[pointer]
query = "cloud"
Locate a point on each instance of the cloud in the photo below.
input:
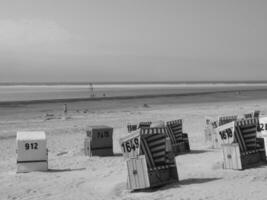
(15, 33)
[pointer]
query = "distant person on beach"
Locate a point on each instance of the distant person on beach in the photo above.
(91, 89)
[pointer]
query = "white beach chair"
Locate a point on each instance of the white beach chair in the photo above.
(32, 153)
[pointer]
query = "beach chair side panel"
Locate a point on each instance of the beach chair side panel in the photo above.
(137, 173)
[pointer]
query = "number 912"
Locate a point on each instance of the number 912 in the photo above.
(29, 146)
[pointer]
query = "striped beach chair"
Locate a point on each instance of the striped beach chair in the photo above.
(254, 114)
(226, 119)
(179, 140)
(153, 165)
(144, 125)
(134, 127)
(241, 147)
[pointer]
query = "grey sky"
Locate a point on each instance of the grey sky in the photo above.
(133, 40)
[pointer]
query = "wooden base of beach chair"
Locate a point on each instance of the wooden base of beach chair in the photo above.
(140, 177)
(233, 159)
(23, 167)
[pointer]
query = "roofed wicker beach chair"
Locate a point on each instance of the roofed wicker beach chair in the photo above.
(134, 127)
(226, 119)
(131, 127)
(144, 124)
(241, 147)
(254, 114)
(150, 162)
(179, 140)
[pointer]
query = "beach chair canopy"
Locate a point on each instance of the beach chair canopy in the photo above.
(175, 130)
(153, 146)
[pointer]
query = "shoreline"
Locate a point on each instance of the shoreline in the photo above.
(128, 97)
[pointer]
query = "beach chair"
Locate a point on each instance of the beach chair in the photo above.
(262, 130)
(99, 141)
(144, 125)
(131, 127)
(241, 147)
(179, 140)
(150, 161)
(32, 152)
(211, 136)
(134, 127)
(254, 114)
(226, 119)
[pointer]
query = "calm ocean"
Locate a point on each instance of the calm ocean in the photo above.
(33, 92)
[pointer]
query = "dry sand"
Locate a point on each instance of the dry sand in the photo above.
(74, 176)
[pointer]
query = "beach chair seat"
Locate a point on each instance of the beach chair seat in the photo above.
(152, 164)
(179, 140)
(241, 147)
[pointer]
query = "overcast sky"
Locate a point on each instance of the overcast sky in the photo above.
(133, 40)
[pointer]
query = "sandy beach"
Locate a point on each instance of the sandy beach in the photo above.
(72, 175)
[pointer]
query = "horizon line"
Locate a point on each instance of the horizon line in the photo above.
(124, 82)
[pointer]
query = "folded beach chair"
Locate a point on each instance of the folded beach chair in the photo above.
(241, 147)
(179, 140)
(149, 163)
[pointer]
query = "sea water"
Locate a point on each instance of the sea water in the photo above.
(37, 92)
